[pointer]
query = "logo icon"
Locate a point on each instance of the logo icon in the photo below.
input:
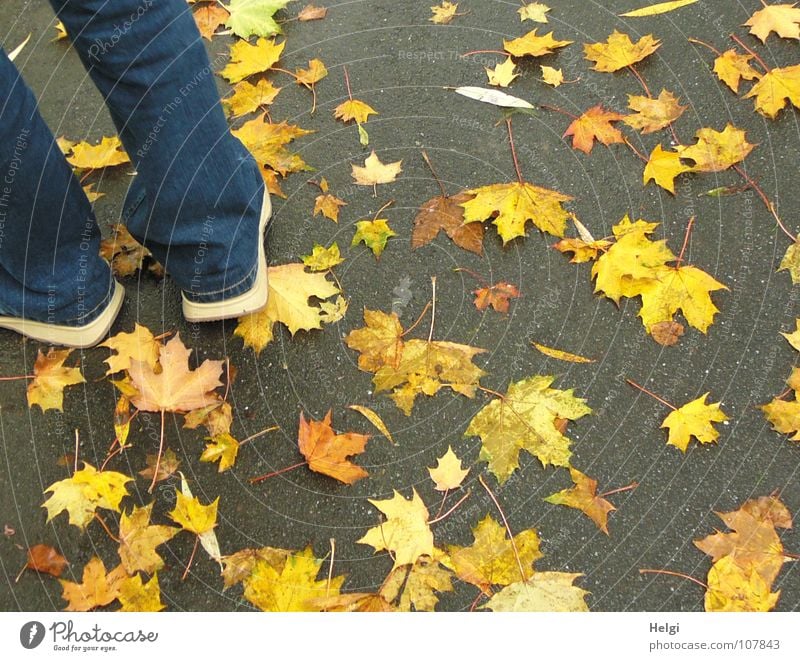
(31, 635)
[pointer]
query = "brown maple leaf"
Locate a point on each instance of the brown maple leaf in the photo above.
(444, 212)
(327, 451)
(45, 559)
(499, 296)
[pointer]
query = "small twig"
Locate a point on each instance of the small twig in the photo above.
(752, 52)
(114, 538)
(451, 510)
(653, 395)
(419, 319)
(433, 172)
(433, 307)
(508, 528)
(514, 151)
(631, 486)
(674, 573)
(191, 558)
(641, 80)
(685, 240)
(259, 434)
(635, 151)
(261, 478)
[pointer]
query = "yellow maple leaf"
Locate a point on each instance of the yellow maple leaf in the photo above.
(139, 345)
(444, 12)
(81, 494)
(217, 418)
(374, 172)
(247, 59)
(514, 204)
(717, 150)
(784, 416)
(631, 265)
(693, 419)
(551, 76)
(138, 540)
(662, 167)
(653, 114)
(374, 234)
(290, 588)
(618, 51)
(415, 586)
(533, 11)
(783, 20)
(583, 496)
(268, 144)
(191, 515)
(353, 109)
(308, 77)
(493, 558)
(223, 448)
(174, 387)
(50, 378)
(733, 588)
(136, 596)
(684, 288)
(525, 419)
(793, 338)
(774, 88)
(290, 287)
(544, 592)
(533, 45)
(322, 259)
(502, 74)
(379, 342)
(732, 66)
(791, 262)
(107, 153)
(238, 566)
(448, 473)
(247, 98)
(405, 533)
(328, 204)
(99, 588)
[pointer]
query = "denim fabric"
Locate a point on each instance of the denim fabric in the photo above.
(195, 200)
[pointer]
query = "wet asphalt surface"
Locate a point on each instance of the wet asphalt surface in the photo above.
(399, 63)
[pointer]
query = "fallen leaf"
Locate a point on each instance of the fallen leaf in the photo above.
(138, 540)
(267, 142)
(583, 496)
(351, 602)
(167, 467)
(503, 73)
(448, 473)
(328, 204)
(217, 417)
(717, 150)
(444, 212)
(667, 333)
(354, 110)
(558, 354)
(533, 45)
(732, 66)
(514, 204)
(618, 51)
(791, 262)
(374, 172)
(99, 588)
(544, 592)
(222, 448)
(374, 418)
(525, 419)
(247, 98)
(693, 419)
(594, 124)
(783, 20)
(139, 345)
(290, 287)
(46, 559)
(493, 558)
(444, 12)
(774, 88)
(81, 494)
(254, 17)
(662, 167)
(312, 13)
(209, 18)
(247, 59)
(658, 8)
(46, 389)
(732, 588)
(534, 11)
(309, 77)
(136, 596)
(653, 114)
(323, 259)
(379, 342)
(494, 97)
(238, 566)
(108, 153)
(126, 255)
(405, 534)
(191, 515)
(373, 233)
(551, 76)
(498, 295)
(415, 586)
(327, 451)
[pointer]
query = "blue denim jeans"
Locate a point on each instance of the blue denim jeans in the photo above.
(195, 200)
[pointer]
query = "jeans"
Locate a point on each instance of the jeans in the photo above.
(195, 199)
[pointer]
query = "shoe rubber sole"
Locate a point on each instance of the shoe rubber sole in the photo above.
(253, 300)
(80, 337)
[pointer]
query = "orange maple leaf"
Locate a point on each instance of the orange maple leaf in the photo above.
(594, 124)
(327, 451)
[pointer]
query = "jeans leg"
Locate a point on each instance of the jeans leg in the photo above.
(50, 269)
(198, 192)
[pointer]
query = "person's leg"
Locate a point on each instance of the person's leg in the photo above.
(50, 270)
(197, 199)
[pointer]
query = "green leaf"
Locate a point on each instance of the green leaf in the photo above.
(249, 17)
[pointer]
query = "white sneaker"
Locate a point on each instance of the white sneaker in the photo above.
(70, 336)
(253, 300)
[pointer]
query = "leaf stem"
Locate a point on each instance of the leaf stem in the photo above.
(476, 52)
(261, 478)
(377, 213)
(558, 110)
(419, 319)
(451, 510)
(703, 43)
(253, 437)
(433, 172)
(477, 276)
(770, 206)
(652, 394)
(347, 83)
(191, 558)
(685, 239)
(508, 528)
(641, 80)
(433, 307)
(752, 52)
(77, 444)
(513, 151)
(105, 527)
(630, 487)
(17, 378)
(444, 498)
(330, 567)
(674, 573)
(634, 150)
